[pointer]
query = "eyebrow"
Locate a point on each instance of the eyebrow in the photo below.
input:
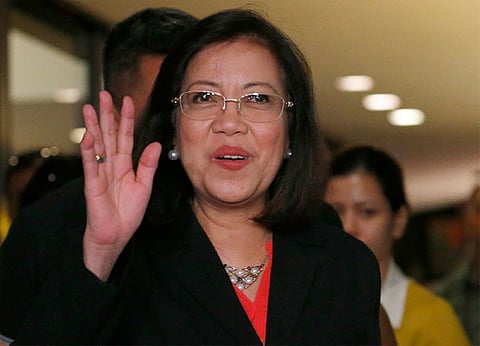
(255, 84)
(202, 82)
(216, 85)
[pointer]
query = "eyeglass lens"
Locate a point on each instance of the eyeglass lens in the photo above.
(258, 107)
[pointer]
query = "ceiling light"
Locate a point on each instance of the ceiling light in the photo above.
(381, 102)
(406, 117)
(67, 95)
(354, 83)
(76, 135)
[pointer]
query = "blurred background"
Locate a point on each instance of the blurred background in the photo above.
(424, 54)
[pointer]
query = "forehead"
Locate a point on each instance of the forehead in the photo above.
(243, 60)
(355, 185)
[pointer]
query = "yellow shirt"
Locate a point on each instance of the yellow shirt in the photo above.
(429, 320)
(418, 316)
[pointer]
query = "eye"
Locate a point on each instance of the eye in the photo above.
(257, 98)
(202, 97)
(368, 212)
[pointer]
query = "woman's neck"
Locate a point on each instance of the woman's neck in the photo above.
(238, 240)
(384, 265)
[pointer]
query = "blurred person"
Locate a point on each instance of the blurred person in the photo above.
(461, 287)
(366, 189)
(222, 244)
(135, 49)
(132, 56)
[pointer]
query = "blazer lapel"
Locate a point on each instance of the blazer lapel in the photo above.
(196, 264)
(291, 278)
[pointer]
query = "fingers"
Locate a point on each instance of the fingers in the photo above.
(91, 142)
(126, 127)
(148, 163)
(105, 136)
(108, 125)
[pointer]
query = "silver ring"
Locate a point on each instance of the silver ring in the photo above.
(100, 158)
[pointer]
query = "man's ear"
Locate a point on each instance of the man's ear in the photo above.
(400, 222)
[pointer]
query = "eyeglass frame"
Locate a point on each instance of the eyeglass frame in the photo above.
(285, 104)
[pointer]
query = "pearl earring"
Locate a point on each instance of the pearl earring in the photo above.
(288, 154)
(173, 154)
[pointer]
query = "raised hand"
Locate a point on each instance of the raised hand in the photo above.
(116, 195)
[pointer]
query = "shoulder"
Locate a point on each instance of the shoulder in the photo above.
(331, 238)
(329, 243)
(418, 292)
(68, 197)
(433, 317)
(423, 302)
(49, 223)
(422, 298)
(67, 203)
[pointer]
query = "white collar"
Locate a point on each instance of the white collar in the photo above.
(394, 294)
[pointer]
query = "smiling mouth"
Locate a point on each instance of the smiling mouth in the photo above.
(231, 157)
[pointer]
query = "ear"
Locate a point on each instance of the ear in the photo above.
(400, 222)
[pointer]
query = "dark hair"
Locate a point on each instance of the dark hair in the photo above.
(148, 32)
(377, 163)
(296, 193)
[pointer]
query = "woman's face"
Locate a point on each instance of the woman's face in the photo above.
(365, 211)
(232, 161)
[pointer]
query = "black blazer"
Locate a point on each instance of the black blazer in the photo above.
(169, 287)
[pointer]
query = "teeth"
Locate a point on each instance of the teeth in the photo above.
(232, 157)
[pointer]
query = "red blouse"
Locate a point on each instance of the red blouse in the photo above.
(257, 310)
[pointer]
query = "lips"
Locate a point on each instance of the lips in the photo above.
(232, 158)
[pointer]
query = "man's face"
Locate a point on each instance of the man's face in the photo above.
(138, 83)
(149, 66)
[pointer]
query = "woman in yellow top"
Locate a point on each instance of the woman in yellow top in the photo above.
(366, 189)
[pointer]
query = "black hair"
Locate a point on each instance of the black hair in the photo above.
(296, 193)
(148, 32)
(377, 163)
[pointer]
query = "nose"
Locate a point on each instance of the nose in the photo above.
(230, 120)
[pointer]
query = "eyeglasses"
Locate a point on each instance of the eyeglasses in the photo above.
(255, 107)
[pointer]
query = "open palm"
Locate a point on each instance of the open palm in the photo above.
(116, 194)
